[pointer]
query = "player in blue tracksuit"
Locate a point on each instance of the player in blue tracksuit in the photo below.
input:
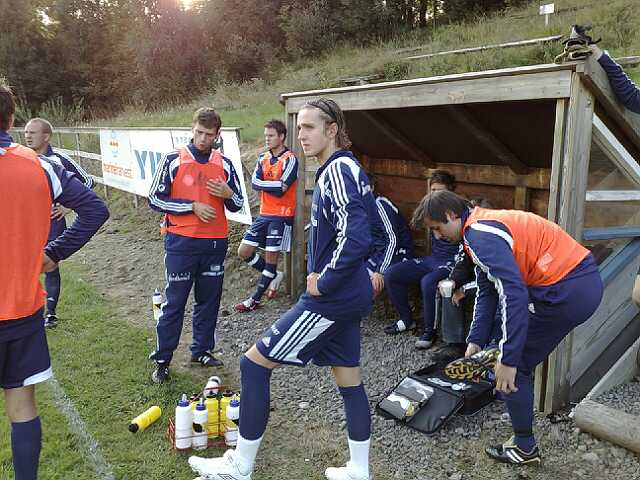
(424, 271)
(193, 186)
(625, 90)
(324, 326)
(395, 244)
(37, 134)
(32, 184)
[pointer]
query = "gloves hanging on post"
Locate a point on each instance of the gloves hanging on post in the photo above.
(576, 46)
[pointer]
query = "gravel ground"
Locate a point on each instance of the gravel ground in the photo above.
(625, 397)
(124, 262)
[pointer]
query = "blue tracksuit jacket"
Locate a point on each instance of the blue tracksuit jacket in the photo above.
(627, 92)
(340, 238)
(396, 237)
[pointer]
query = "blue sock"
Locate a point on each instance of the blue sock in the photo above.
(356, 409)
(255, 400)
(256, 261)
(26, 440)
(520, 406)
(52, 287)
(268, 274)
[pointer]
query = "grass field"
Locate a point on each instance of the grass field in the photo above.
(100, 363)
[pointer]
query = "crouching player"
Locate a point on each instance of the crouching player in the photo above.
(324, 326)
(545, 285)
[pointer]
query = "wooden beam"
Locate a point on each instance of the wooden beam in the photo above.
(570, 214)
(537, 178)
(480, 132)
(297, 264)
(615, 151)
(590, 234)
(521, 199)
(519, 43)
(543, 400)
(457, 89)
(597, 82)
(624, 370)
(609, 424)
(399, 138)
(613, 195)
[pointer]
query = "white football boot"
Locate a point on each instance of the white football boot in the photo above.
(221, 468)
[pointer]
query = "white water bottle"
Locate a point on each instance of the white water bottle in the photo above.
(231, 427)
(184, 421)
(156, 300)
(200, 432)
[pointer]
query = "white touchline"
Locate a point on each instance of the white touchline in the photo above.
(79, 428)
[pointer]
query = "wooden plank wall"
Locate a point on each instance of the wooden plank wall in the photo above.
(405, 182)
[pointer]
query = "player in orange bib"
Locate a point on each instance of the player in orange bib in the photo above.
(29, 186)
(276, 178)
(192, 187)
(544, 283)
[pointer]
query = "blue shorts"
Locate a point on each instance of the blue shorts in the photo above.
(273, 234)
(25, 360)
(301, 335)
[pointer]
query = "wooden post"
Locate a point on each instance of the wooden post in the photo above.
(609, 424)
(297, 269)
(552, 214)
(570, 215)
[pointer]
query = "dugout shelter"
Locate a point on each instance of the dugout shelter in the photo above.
(551, 139)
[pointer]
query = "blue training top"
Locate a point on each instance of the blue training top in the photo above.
(340, 238)
(625, 90)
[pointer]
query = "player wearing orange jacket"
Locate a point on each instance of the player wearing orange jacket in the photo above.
(544, 284)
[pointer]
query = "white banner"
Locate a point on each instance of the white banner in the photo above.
(130, 159)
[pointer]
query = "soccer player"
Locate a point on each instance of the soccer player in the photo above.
(543, 282)
(276, 178)
(425, 271)
(395, 246)
(193, 186)
(37, 135)
(28, 187)
(324, 326)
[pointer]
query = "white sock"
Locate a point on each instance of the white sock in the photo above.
(359, 452)
(246, 452)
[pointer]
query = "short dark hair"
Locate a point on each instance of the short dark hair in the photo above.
(278, 126)
(330, 112)
(435, 206)
(445, 178)
(7, 105)
(207, 117)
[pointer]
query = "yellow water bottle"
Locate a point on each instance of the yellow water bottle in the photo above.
(227, 395)
(213, 406)
(142, 421)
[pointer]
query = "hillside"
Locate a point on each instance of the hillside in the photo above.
(248, 105)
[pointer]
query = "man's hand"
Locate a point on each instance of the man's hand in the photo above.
(48, 265)
(377, 282)
(58, 212)
(457, 296)
(312, 284)
(506, 378)
(219, 188)
(204, 212)
(472, 349)
(596, 50)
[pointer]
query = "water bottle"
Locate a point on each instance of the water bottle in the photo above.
(184, 421)
(156, 300)
(200, 421)
(213, 406)
(213, 385)
(231, 427)
(146, 418)
(224, 402)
